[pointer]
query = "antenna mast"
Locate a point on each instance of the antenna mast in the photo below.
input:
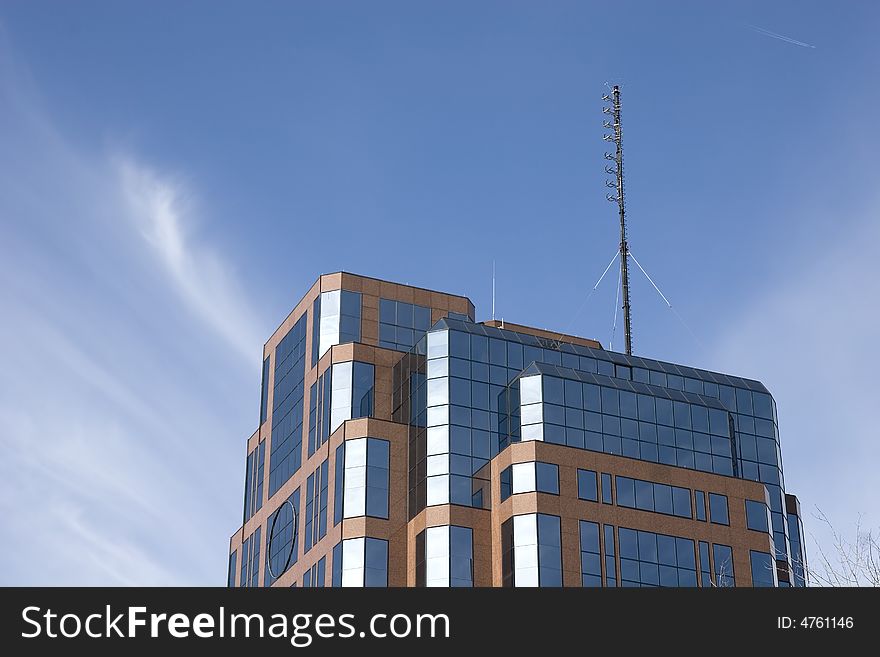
(617, 171)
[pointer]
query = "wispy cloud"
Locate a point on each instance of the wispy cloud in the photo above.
(781, 37)
(124, 330)
(163, 209)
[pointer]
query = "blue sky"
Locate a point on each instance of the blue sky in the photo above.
(173, 176)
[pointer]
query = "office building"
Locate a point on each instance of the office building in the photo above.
(402, 443)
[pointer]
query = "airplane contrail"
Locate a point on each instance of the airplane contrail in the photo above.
(781, 37)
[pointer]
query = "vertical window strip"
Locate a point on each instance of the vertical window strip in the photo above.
(287, 406)
(314, 436)
(310, 511)
(591, 563)
(322, 501)
(233, 565)
(610, 561)
(261, 462)
(243, 578)
(316, 330)
(705, 566)
(248, 479)
(336, 579)
(255, 557)
(339, 485)
(264, 392)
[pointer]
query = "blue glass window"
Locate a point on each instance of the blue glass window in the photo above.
(587, 485)
(763, 569)
(610, 563)
(506, 483)
(722, 555)
(529, 477)
(253, 483)
(606, 488)
(531, 550)
(287, 406)
(402, 324)
(360, 562)
(352, 393)
(700, 505)
(591, 560)
(651, 496)
(547, 478)
(316, 506)
(799, 565)
(230, 575)
(250, 560)
(336, 578)
(718, 509)
(314, 576)
(757, 517)
(282, 545)
(340, 320)
(363, 486)
(649, 559)
(264, 392)
(444, 556)
(705, 572)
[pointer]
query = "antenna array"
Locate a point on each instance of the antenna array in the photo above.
(616, 170)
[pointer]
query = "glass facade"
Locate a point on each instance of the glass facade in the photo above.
(580, 410)
(337, 317)
(445, 556)
(351, 392)
(469, 390)
(798, 559)
(362, 479)
(466, 392)
(650, 496)
(649, 559)
(531, 550)
(316, 506)
(253, 480)
(529, 477)
(287, 406)
(402, 324)
(319, 412)
(361, 562)
(249, 575)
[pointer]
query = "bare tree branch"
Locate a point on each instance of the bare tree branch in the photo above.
(854, 562)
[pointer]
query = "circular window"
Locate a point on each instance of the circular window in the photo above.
(282, 535)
